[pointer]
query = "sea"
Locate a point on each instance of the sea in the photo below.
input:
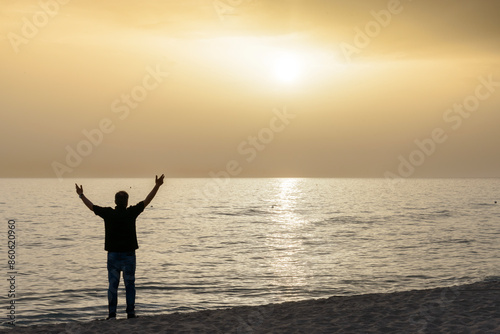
(218, 243)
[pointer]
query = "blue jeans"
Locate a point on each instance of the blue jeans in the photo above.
(118, 262)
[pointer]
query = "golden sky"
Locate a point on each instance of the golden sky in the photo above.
(251, 88)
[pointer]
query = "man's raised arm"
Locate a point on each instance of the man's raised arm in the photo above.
(151, 195)
(86, 201)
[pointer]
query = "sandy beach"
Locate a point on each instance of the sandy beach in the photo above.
(473, 308)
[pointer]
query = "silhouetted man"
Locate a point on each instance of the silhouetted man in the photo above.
(121, 242)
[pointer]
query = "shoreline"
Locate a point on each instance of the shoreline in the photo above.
(471, 308)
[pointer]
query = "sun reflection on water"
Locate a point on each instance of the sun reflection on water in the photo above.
(287, 237)
(287, 198)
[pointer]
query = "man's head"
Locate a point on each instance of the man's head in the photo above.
(121, 199)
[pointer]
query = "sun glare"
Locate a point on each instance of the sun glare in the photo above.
(287, 68)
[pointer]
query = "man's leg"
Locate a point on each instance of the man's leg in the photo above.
(114, 281)
(129, 278)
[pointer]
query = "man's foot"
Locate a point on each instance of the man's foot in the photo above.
(132, 316)
(111, 317)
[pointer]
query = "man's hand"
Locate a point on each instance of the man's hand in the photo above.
(79, 191)
(86, 201)
(159, 180)
(151, 195)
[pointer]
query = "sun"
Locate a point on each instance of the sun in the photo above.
(287, 68)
